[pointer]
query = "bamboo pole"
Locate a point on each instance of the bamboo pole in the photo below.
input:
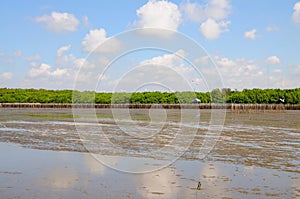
(238, 108)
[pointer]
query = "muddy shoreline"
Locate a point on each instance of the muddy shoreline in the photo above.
(269, 139)
(257, 155)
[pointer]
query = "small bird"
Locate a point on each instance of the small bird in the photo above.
(199, 185)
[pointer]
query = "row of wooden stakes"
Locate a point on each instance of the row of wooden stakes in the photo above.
(232, 107)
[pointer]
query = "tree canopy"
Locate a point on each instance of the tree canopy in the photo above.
(246, 96)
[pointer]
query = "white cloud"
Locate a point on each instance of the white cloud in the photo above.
(205, 60)
(169, 72)
(272, 28)
(225, 62)
(193, 11)
(173, 61)
(93, 39)
(59, 22)
(167, 59)
(59, 72)
(242, 73)
(63, 73)
(85, 21)
(6, 76)
(211, 15)
(296, 14)
(33, 58)
(215, 9)
(62, 59)
(251, 34)
(97, 37)
(218, 9)
(297, 70)
(277, 70)
(83, 64)
(42, 70)
(274, 60)
(212, 29)
(18, 53)
(33, 64)
(159, 14)
(45, 70)
(65, 70)
(62, 49)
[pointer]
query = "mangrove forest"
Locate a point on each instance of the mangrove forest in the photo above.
(226, 95)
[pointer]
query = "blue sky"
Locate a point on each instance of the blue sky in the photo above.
(253, 43)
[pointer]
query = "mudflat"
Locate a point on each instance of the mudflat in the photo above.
(45, 154)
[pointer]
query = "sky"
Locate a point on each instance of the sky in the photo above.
(63, 44)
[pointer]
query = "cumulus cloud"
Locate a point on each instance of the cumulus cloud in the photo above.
(242, 73)
(215, 9)
(159, 14)
(218, 9)
(97, 37)
(211, 15)
(296, 14)
(62, 58)
(6, 76)
(93, 39)
(226, 62)
(167, 59)
(62, 49)
(174, 61)
(81, 63)
(212, 29)
(59, 22)
(63, 72)
(169, 72)
(45, 70)
(251, 34)
(193, 11)
(274, 60)
(42, 70)
(59, 72)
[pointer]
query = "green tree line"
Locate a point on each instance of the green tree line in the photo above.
(246, 96)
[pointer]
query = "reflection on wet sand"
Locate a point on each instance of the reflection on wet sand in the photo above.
(256, 157)
(160, 184)
(209, 174)
(59, 178)
(296, 186)
(52, 174)
(95, 166)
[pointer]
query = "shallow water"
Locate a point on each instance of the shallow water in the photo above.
(256, 156)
